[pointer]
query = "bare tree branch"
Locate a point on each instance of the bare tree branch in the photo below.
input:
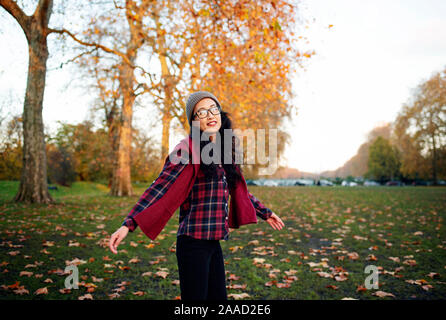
(43, 13)
(87, 44)
(18, 14)
(103, 48)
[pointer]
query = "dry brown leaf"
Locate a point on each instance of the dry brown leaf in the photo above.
(96, 279)
(383, 294)
(133, 244)
(340, 277)
(371, 257)
(75, 262)
(394, 259)
(433, 274)
(21, 290)
(410, 262)
(282, 285)
(236, 286)
(65, 290)
(43, 290)
(324, 274)
(162, 274)
(238, 296)
(270, 283)
(353, 256)
(290, 272)
(233, 277)
(360, 288)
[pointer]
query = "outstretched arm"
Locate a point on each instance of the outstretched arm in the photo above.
(157, 189)
(266, 214)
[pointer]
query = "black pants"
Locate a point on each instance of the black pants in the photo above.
(201, 269)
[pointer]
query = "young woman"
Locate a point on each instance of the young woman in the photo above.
(202, 193)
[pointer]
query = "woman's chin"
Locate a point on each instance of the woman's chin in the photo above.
(211, 130)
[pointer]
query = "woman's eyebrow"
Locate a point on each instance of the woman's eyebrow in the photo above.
(212, 105)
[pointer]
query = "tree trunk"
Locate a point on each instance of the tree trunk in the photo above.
(167, 119)
(168, 83)
(113, 137)
(434, 161)
(33, 183)
(121, 184)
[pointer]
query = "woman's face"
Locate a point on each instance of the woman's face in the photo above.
(211, 123)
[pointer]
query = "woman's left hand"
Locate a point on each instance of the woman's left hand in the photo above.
(275, 222)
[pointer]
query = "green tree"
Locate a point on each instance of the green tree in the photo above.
(384, 160)
(11, 150)
(60, 165)
(422, 128)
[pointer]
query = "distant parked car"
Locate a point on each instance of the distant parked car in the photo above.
(394, 183)
(346, 183)
(369, 183)
(324, 182)
(270, 183)
(286, 182)
(304, 182)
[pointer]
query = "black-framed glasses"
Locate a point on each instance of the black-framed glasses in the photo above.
(203, 113)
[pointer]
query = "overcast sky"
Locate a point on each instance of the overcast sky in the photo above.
(364, 69)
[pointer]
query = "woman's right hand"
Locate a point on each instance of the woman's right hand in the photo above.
(117, 237)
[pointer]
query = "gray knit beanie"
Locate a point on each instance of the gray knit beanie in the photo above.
(194, 98)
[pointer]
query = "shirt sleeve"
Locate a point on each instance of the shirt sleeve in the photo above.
(261, 211)
(171, 170)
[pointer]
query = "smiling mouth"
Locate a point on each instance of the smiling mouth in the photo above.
(211, 123)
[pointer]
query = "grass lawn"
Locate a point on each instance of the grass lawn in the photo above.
(331, 234)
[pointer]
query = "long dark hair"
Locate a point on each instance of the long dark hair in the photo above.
(210, 170)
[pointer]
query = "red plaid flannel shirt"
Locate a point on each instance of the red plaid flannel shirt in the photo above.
(204, 213)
